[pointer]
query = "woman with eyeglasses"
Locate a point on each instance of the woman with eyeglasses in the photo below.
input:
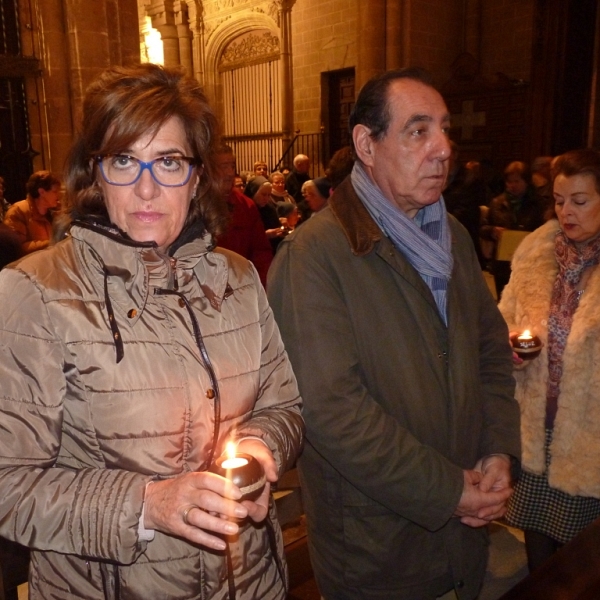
(130, 353)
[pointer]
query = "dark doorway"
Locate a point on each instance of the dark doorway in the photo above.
(16, 157)
(16, 154)
(562, 74)
(338, 89)
(573, 102)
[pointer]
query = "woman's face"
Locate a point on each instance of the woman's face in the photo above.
(314, 200)
(577, 205)
(145, 210)
(278, 183)
(515, 184)
(263, 195)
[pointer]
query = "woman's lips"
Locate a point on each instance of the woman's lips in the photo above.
(148, 217)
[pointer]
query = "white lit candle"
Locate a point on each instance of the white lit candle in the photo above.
(241, 469)
(526, 335)
(234, 463)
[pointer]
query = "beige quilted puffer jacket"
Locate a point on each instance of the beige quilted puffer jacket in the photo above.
(103, 388)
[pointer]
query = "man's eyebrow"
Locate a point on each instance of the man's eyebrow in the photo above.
(419, 118)
(416, 118)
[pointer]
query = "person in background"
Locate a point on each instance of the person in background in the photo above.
(553, 291)
(238, 183)
(316, 194)
(10, 246)
(259, 189)
(4, 204)
(130, 353)
(340, 166)
(542, 181)
(244, 233)
(298, 176)
(278, 191)
(288, 215)
(464, 196)
(403, 362)
(31, 219)
(261, 168)
(517, 208)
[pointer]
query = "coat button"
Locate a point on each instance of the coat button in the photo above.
(132, 313)
(210, 393)
(182, 302)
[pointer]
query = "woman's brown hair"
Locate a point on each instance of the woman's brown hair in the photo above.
(124, 104)
(585, 161)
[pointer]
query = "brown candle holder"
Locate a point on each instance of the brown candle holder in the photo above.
(249, 477)
(526, 348)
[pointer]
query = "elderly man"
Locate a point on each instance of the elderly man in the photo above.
(297, 177)
(404, 364)
(245, 233)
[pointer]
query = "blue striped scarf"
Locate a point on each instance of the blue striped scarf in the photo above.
(424, 241)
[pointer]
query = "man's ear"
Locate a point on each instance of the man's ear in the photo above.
(363, 144)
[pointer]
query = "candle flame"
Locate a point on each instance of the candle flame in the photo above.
(526, 335)
(231, 449)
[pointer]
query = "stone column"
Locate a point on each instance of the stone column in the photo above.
(371, 36)
(196, 25)
(185, 36)
(393, 34)
(162, 14)
(287, 102)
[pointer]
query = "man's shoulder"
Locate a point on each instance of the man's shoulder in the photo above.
(320, 230)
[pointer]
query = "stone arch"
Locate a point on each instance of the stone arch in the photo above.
(226, 32)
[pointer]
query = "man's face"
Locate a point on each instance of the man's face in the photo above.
(303, 165)
(225, 164)
(409, 164)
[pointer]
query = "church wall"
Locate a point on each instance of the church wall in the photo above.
(323, 39)
(435, 36)
(506, 38)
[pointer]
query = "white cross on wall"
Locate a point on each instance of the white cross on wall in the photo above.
(468, 119)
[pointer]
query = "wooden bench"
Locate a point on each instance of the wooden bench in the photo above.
(573, 573)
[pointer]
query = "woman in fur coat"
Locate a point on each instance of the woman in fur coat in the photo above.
(553, 291)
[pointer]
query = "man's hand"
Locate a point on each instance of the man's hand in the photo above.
(495, 469)
(477, 507)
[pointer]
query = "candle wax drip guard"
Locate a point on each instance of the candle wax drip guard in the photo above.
(250, 477)
(526, 348)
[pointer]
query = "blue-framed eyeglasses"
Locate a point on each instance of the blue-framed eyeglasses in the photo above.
(168, 171)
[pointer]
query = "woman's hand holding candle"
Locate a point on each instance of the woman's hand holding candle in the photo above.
(518, 363)
(258, 509)
(194, 506)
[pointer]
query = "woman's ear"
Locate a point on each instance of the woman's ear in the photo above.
(363, 144)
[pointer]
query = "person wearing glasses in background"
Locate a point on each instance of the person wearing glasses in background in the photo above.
(137, 350)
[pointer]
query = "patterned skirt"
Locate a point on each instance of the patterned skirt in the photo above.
(538, 507)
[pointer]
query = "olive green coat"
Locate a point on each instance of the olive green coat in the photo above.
(396, 404)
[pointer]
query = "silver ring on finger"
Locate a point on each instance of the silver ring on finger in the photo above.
(186, 512)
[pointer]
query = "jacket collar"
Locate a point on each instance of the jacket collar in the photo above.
(135, 269)
(357, 224)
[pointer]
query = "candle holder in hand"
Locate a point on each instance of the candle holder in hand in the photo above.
(525, 345)
(243, 470)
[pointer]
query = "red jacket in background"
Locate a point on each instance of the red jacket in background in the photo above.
(246, 234)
